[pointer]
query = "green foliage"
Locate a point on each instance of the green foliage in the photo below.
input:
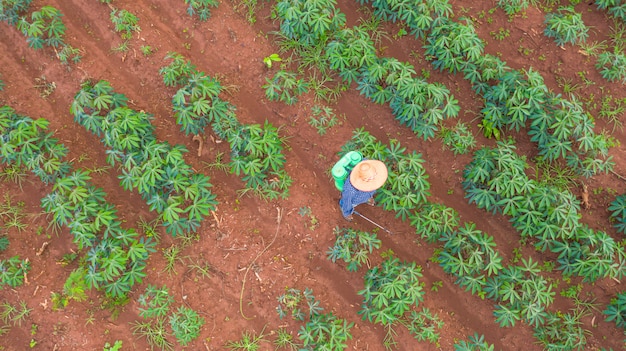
(285, 86)
(618, 213)
(459, 138)
(612, 65)
(155, 302)
(566, 26)
(350, 50)
(615, 8)
(157, 170)
(419, 16)
(353, 246)
(248, 342)
(186, 324)
(391, 289)
(406, 187)
(125, 22)
(470, 255)
(12, 10)
(75, 286)
(178, 71)
(474, 343)
(496, 181)
(256, 151)
(419, 105)
(12, 271)
(26, 142)
(4, 242)
(322, 118)
(562, 331)
(322, 331)
(201, 7)
(155, 332)
(309, 22)
(511, 7)
(115, 347)
(424, 326)
(432, 221)
(14, 314)
(616, 310)
(117, 261)
(453, 44)
(46, 28)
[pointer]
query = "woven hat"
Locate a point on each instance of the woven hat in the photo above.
(368, 175)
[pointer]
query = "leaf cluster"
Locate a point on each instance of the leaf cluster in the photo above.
(186, 324)
(432, 220)
(459, 138)
(612, 65)
(390, 290)
(309, 22)
(424, 325)
(474, 343)
(46, 28)
(13, 271)
(618, 213)
(12, 10)
(125, 22)
(322, 331)
(155, 302)
(323, 118)
(562, 331)
(201, 7)
(26, 142)
(616, 310)
(353, 247)
(285, 86)
(566, 26)
(615, 8)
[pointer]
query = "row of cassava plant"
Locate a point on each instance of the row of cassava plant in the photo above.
(115, 257)
(514, 99)
(157, 170)
(351, 54)
(256, 150)
(495, 180)
(45, 28)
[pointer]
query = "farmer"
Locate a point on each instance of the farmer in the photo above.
(361, 185)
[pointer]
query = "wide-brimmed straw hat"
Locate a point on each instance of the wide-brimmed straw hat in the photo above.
(368, 175)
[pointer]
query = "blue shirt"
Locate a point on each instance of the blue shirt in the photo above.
(351, 197)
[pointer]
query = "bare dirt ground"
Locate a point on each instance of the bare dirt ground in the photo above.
(249, 268)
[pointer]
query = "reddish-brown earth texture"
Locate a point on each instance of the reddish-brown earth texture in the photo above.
(249, 269)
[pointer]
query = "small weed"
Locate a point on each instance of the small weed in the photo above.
(284, 340)
(171, 255)
(147, 50)
(322, 118)
(436, 285)
(13, 173)
(501, 34)
(248, 342)
(269, 60)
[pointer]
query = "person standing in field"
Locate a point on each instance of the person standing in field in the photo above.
(361, 185)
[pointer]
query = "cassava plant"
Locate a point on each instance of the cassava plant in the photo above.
(618, 213)
(285, 86)
(616, 310)
(321, 331)
(390, 291)
(125, 23)
(566, 26)
(12, 10)
(353, 247)
(201, 7)
(46, 28)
